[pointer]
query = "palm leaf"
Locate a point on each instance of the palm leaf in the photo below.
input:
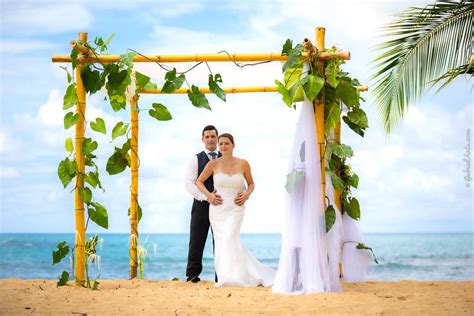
(424, 46)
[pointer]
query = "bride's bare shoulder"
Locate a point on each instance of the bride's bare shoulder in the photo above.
(244, 163)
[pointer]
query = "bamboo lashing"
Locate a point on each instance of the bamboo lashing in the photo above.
(80, 161)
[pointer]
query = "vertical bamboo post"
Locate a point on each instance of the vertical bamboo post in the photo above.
(80, 160)
(337, 138)
(134, 188)
(319, 112)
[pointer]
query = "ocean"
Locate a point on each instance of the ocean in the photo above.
(423, 256)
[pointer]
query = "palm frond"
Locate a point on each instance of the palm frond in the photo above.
(424, 44)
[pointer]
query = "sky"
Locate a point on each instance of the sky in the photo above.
(410, 181)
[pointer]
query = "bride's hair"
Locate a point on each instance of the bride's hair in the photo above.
(227, 135)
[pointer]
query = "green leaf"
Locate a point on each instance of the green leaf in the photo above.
(297, 90)
(337, 183)
(333, 114)
(330, 217)
(352, 208)
(117, 82)
(287, 47)
(293, 179)
(69, 146)
(91, 79)
(313, 86)
(88, 146)
(342, 151)
(70, 119)
(347, 93)
(331, 74)
(93, 179)
(215, 88)
(160, 112)
(67, 171)
(358, 117)
(150, 86)
(285, 93)
(139, 213)
(141, 80)
(74, 54)
(116, 163)
(63, 279)
(354, 181)
(172, 82)
(127, 59)
(119, 160)
(294, 57)
(197, 98)
(63, 250)
(119, 129)
(70, 97)
(85, 194)
(354, 127)
(98, 214)
(99, 126)
(107, 41)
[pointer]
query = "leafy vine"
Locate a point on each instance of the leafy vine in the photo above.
(116, 78)
(338, 92)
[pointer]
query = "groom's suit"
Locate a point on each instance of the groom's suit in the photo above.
(199, 227)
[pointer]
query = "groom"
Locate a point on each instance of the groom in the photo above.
(200, 210)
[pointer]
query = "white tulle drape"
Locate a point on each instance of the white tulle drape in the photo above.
(310, 258)
(303, 266)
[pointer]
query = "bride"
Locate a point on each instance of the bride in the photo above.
(234, 264)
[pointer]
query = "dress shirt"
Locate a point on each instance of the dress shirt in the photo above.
(191, 177)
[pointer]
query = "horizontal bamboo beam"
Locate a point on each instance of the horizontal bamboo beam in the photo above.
(201, 57)
(231, 90)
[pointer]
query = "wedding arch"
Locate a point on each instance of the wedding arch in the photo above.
(124, 85)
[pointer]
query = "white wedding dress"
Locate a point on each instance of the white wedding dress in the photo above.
(234, 264)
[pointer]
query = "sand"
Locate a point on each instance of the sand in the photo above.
(179, 298)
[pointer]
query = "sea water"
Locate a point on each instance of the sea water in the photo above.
(443, 256)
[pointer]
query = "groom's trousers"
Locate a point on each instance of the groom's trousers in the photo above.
(197, 238)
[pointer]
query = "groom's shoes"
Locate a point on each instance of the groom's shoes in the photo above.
(193, 279)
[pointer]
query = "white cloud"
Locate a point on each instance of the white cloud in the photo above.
(6, 172)
(22, 46)
(40, 18)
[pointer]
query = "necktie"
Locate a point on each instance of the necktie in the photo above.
(213, 155)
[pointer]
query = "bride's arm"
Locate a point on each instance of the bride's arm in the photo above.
(212, 198)
(244, 196)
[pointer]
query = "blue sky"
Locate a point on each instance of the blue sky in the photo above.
(412, 181)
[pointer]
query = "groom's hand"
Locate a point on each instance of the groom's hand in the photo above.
(215, 199)
(241, 198)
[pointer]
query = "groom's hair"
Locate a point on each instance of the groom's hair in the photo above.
(210, 128)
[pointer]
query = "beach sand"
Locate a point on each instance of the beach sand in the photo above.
(179, 298)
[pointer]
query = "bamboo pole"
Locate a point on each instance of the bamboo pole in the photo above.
(231, 90)
(274, 56)
(319, 112)
(134, 188)
(80, 160)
